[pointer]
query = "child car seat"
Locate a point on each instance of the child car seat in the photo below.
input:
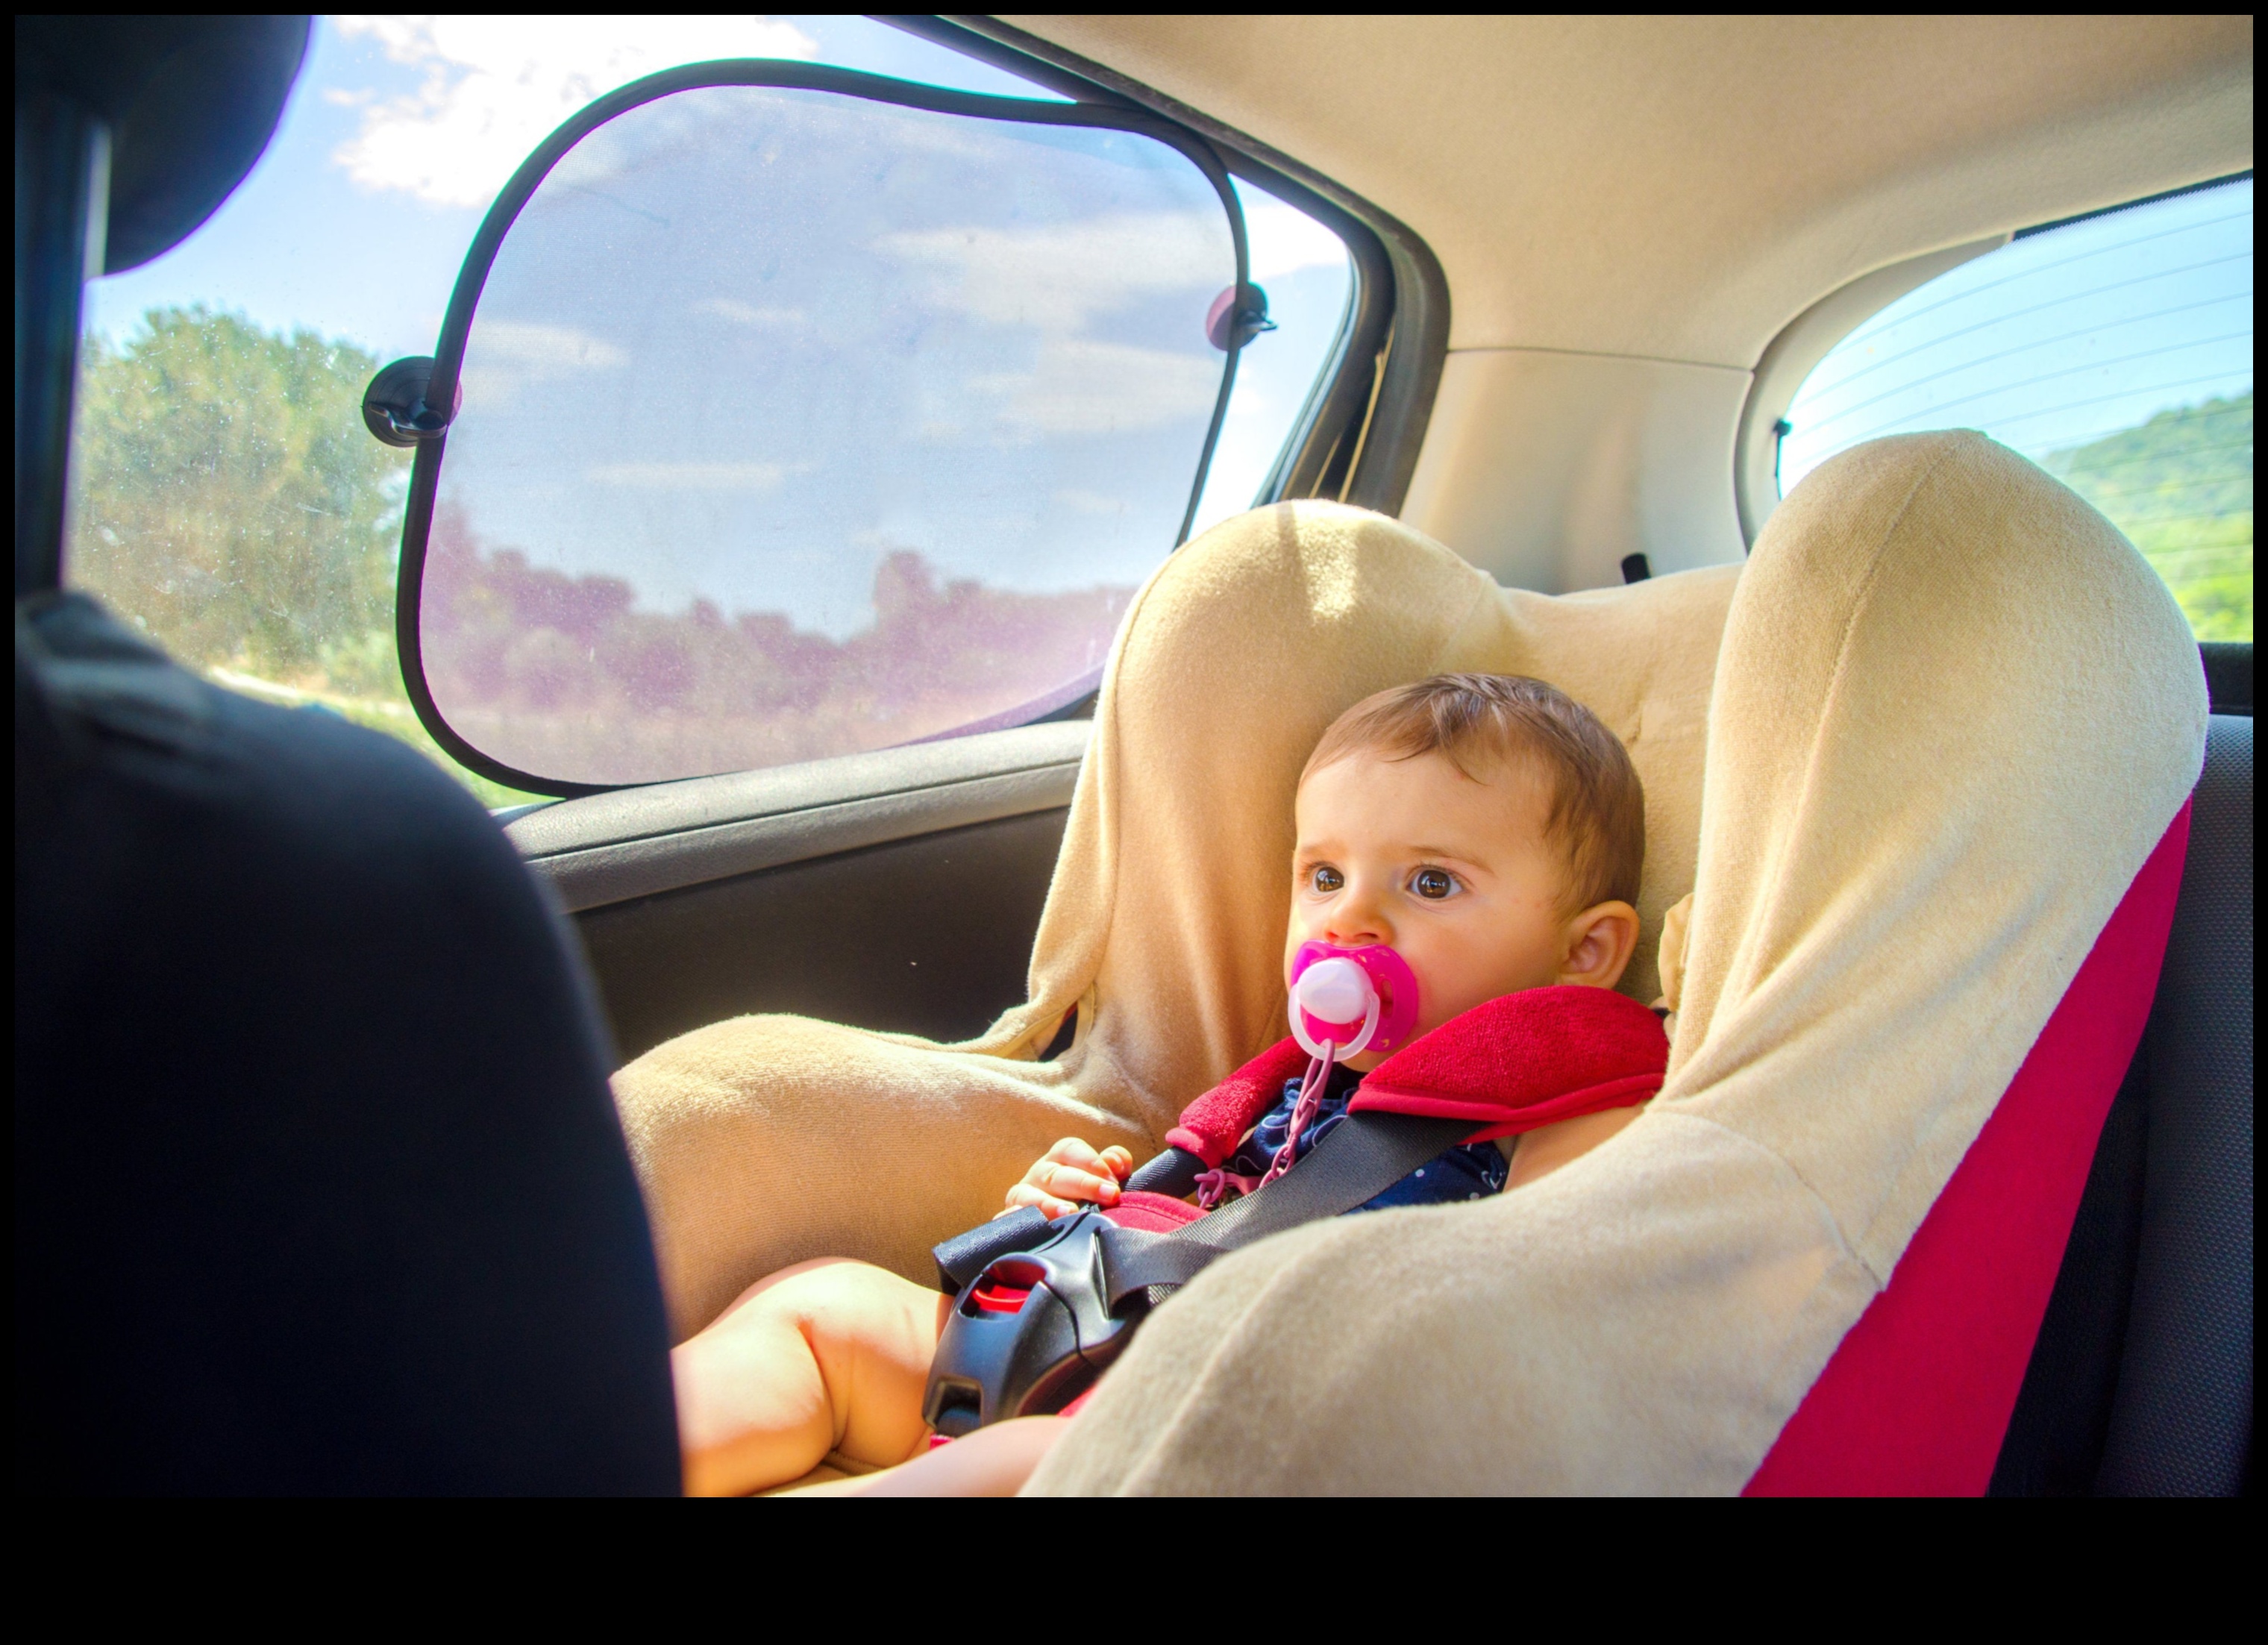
(1165, 916)
(1953, 725)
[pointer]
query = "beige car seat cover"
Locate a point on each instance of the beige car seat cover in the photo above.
(1233, 660)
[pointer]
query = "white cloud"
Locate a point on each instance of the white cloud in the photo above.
(550, 350)
(1055, 278)
(742, 314)
(1279, 240)
(1090, 502)
(1054, 281)
(694, 476)
(1085, 387)
(495, 86)
(503, 356)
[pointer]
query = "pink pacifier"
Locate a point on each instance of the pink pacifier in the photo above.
(1344, 1001)
(1351, 999)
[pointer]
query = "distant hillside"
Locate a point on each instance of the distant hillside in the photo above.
(563, 674)
(2180, 486)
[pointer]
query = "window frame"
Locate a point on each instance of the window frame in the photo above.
(1358, 437)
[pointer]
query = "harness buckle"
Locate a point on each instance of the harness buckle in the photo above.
(1030, 1332)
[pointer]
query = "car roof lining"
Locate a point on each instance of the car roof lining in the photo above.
(1681, 188)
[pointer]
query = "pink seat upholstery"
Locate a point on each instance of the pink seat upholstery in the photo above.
(1916, 1399)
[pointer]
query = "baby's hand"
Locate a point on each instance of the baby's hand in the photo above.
(1069, 1175)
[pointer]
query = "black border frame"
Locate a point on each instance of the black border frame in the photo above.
(472, 279)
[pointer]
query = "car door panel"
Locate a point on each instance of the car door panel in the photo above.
(928, 936)
(897, 890)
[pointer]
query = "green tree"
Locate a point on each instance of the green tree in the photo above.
(2179, 487)
(227, 500)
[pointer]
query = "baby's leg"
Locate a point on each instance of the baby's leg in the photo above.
(829, 1355)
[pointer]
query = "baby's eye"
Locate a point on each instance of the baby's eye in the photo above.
(1433, 884)
(1326, 879)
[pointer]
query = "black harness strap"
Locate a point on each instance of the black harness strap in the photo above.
(1364, 1155)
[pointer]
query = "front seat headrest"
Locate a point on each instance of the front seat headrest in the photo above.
(191, 102)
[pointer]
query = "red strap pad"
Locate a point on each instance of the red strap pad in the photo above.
(1151, 1214)
(1525, 1060)
(1510, 1065)
(1213, 1125)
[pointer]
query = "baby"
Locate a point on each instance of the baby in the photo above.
(1487, 828)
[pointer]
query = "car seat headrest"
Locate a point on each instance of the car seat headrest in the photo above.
(191, 102)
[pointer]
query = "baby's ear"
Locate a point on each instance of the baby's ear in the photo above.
(1601, 940)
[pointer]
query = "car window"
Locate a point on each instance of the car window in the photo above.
(225, 498)
(2114, 350)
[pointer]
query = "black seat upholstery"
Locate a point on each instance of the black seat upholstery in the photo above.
(319, 1186)
(2140, 1383)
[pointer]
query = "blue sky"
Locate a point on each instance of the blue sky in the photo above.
(307, 242)
(745, 343)
(400, 130)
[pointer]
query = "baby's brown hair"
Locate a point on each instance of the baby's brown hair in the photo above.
(1598, 807)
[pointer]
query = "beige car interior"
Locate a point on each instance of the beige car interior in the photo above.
(1653, 227)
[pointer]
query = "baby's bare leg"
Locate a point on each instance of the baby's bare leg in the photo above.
(829, 1355)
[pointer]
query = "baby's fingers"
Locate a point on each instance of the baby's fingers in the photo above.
(1068, 1182)
(1050, 1207)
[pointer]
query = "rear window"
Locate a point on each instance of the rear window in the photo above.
(2116, 351)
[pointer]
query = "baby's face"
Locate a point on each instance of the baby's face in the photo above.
(1454, 875)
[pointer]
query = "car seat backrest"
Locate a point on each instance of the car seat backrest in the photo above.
(318, 1187)
(2183, 1419)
